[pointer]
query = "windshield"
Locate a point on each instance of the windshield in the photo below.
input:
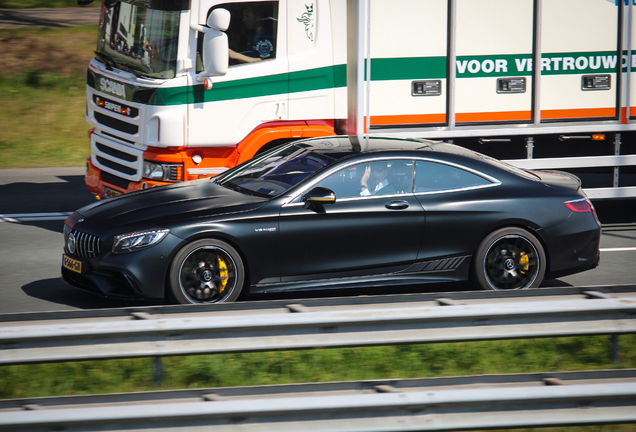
(275, 173)
(140, 37)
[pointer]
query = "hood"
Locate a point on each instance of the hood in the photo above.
(185, 200)
(559, 178)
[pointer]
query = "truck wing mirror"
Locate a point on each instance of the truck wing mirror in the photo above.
(215, 44)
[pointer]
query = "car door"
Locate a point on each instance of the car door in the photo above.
(460, 206)
(357, 235)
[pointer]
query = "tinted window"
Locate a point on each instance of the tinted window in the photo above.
(276, 172)
(433, 176)
(383, 178)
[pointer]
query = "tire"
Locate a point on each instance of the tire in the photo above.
(509, 259)
(206, 271)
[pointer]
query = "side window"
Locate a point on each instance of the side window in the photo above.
(380, 178)
(433, 176)
(252, 32)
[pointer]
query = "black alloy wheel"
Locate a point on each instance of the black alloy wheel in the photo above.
(206, 271)
(510, 259)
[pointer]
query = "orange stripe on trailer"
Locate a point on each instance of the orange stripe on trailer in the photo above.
(482, 117)
(408, 119)
(580, 113)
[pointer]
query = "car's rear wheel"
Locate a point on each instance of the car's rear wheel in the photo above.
(206, 271)
(509, 259)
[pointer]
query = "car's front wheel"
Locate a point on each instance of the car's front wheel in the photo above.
(509, 259)
(206, 271)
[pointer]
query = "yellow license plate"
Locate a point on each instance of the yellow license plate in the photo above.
(112, 193)
(72, 264)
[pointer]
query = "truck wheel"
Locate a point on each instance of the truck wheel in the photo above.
(509, 259)
(206, 271)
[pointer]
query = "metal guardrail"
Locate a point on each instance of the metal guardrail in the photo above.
(320, 323)
(486, 401)
(490, 401)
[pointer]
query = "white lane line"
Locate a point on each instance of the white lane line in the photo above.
(625, 249)
(33, 217)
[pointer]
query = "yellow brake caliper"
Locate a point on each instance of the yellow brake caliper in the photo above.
(524, 262)
(223, 274)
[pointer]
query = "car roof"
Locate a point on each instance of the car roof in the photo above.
(346, 142)
(449, 152)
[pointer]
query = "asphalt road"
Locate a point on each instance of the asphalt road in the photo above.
(35, 202)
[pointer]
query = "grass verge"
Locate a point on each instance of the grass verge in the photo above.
(42, 96)
(318, 365)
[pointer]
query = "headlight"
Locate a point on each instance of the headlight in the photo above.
(165, 172)
(135, 241)
(66, 231)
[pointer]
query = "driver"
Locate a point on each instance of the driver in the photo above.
(374, 179)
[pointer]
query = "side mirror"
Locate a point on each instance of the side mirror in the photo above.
(319, 196)
(84, 2)
(215, 44)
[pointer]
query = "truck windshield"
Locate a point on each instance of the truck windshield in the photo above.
(140, 37)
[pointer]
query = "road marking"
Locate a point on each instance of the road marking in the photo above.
(33, 217)
(625, 249)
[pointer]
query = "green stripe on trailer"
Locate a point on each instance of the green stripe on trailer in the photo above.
(388, 69)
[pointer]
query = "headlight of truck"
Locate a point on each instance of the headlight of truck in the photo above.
(138, 240)
(165, 172)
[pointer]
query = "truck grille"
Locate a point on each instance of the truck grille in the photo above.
(118, 159)
(116, 124)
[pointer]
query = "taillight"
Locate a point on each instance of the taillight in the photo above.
(580, 206)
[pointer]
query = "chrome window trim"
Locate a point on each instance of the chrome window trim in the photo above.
(494, 182)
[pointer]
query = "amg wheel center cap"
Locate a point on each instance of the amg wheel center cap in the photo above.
(207, 275)
(510, 264)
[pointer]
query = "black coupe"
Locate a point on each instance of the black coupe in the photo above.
(320, 214)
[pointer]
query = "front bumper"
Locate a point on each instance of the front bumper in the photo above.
(105, 185)
(135, 275)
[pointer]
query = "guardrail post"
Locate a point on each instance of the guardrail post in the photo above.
(615, 349)
(158, 372)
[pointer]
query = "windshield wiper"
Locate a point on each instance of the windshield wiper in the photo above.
(241, 189)
(110, 64)
(131, 70)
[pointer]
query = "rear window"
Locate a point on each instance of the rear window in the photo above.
(436, 177)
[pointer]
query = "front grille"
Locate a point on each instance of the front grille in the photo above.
(86, 246)
(117, 158)
(116, 167)
(116, 124)
(114, 180)
(116, 153)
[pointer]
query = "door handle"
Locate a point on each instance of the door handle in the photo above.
(397, 205)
